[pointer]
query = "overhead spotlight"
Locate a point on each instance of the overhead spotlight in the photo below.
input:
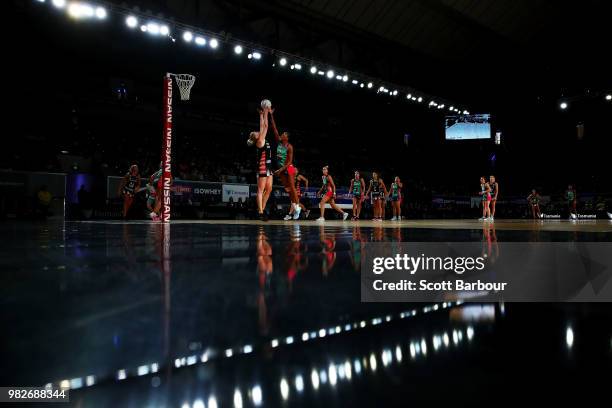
(442, 106)
(345, 78)
(608, 97)
(238, 49)
(563, 105)
(152, 28)
(131, 21)
(257, 55)
(313, 70)
(361, 85)
(283, 62)
(419, 99)
(409, 96)
(330, 74)
(201, 41)
(143, 28)
(213, 43)
(80, 10)
(298, 66)
(394, 92)
(187, 36)
(370, 85)
(164, 30)
(466, 112)
(354, 82)
(59, 3)
(100, 13)
(413, 98)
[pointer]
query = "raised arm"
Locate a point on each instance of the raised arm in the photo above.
(274, 129)
(263, 127)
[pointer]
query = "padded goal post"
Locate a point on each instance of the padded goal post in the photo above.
(184, 83)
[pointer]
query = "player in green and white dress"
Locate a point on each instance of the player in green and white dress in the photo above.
(395, 194)
(571, 197)
(357, 187)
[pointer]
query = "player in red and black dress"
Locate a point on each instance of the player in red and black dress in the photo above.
(494, 192)
(379, 191)
(264, 162)
(328, 195)
(286, 170)
(130, 184)
(299, 179)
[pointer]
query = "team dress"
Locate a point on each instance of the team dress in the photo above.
(298, 186)
(356, 188)
(130, 186)
(486, 196)
(329, 193)
(281, 159)
(493, 190)
(376, 189)
(264, 160)
(395, 192)
(154, 184)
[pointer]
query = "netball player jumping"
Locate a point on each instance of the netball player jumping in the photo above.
(329, 196)
(395, 194)
(379, 192)
(264, 162)
(128, 187)
(286, 171)
(357, 187)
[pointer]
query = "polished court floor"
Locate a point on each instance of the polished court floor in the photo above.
(240, 313)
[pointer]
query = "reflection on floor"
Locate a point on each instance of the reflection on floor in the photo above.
(248, 314)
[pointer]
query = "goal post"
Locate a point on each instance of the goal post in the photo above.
(184, 83)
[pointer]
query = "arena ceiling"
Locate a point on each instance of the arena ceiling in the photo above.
(444, 47)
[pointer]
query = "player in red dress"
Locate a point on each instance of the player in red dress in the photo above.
(328, 195)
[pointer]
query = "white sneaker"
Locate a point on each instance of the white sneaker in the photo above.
(287, 217)
(296, 213)
(610, 216)
(320, 219)
(307, 214)
(152, 215)
(394, 219)
(344, 216)
(491, 218)
(481, 219)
